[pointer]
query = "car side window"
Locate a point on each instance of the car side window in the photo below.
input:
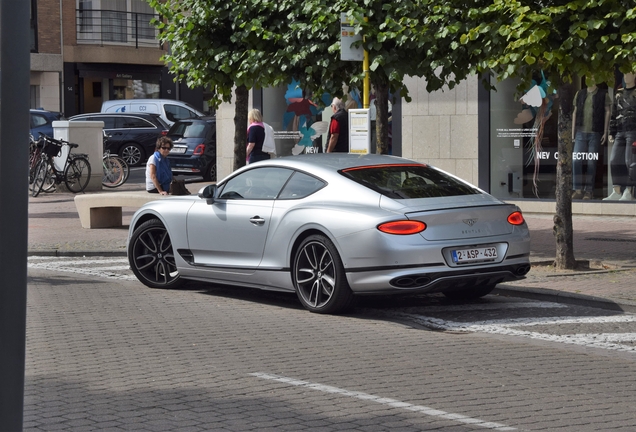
(300, 186)
(175, 112)
(135, 123)
(109, 122)
(256, 184)
(38, 120)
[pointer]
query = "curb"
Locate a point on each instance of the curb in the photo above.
(63, 253)
(544, 294)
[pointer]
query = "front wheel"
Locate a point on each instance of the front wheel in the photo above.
(77, 174)
(151, 256)
(132, 153)
(319, 277)
(470, 293)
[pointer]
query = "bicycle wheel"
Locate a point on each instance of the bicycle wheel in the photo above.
(77, 174)
(41, 174)
(113, 172)
(126, 167)
(34, 161)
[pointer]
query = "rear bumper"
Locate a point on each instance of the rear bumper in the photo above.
(436, 279)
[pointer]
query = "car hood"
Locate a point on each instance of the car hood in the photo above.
(458, 217)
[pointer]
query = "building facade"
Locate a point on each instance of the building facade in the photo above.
(84, 52)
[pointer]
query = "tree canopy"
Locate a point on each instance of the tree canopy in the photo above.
(566, 40)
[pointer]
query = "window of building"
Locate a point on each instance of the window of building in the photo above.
(115, 21)
(522, 166)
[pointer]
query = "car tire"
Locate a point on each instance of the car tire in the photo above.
(209, 174)
(470, 293)
(151, 256)
(319, 277)
(132, 153)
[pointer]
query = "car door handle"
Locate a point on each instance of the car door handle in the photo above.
(257, 220)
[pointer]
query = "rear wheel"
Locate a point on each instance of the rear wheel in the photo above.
(40, 177)
(77, 174)
(210, 172)
(470, 293)
(151, 256)
(132, 153)
(113, 172)
(319, 277)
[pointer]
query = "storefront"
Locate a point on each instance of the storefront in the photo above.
(522, 136)
(87, 85)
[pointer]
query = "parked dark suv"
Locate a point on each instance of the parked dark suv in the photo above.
(131, 136)
(41, 121)
(194, 148)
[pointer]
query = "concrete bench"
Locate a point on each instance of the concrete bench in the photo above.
(103, 210)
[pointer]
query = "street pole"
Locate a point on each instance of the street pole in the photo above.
(14, 127)
(366, 86)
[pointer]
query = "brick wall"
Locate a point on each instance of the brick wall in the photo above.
(48, 16)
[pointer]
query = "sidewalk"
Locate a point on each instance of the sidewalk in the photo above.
(606, 243)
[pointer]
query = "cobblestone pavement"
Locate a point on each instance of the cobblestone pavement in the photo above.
(608, 244)
(107, 354)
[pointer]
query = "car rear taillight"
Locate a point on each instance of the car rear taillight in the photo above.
(164, 132)
(198, 150)
(516, 218)
(403, 227)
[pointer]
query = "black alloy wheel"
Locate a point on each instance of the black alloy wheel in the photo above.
(151, 256)
(319, 277)
(132, 153)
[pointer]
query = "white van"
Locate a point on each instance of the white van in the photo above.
(169, 110)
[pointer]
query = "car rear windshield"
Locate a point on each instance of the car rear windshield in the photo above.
(409, 181)
(188, 130)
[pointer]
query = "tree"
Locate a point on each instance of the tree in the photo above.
(567, 39)
(245, 43)
(410, 38)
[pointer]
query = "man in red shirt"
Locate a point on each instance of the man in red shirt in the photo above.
(338, 137)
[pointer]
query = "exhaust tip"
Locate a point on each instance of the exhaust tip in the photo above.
(523, 270)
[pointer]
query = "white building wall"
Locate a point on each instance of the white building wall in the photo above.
(225, 137)
(440, 128)
(48, 94)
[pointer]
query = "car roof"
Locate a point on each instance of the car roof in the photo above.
(326, 165)
(193, 120)
(43, 111)
(114, 114)
(339, 161)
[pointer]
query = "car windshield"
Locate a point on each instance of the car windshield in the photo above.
(408, 181)
(188, 130)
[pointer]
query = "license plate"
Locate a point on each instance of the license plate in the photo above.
(178, 150)
(474, 254)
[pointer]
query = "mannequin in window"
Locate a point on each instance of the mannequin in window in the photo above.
(590, 124)
(623, 133)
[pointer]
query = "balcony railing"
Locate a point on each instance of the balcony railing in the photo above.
(112, 27)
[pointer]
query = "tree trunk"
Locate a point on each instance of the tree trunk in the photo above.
(382, 117)
(563, 231)
(240, 126)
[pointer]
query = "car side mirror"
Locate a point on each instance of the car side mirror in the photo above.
(208, 193)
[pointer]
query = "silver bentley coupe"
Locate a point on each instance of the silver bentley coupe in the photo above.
(330, 227)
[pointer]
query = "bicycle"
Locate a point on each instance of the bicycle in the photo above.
(35, 155)
(75, 173)
(116, 170)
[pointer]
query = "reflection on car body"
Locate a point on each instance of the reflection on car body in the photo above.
(331, 227)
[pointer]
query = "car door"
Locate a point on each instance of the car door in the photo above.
(231, 232)
(115, 136)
